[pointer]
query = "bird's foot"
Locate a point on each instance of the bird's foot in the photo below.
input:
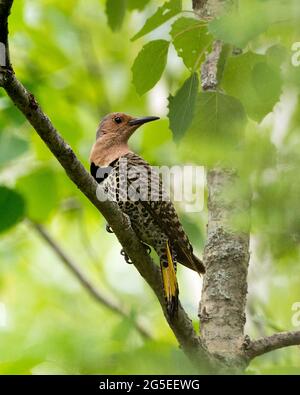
(147, 248)
(126, 257)
(109, 229)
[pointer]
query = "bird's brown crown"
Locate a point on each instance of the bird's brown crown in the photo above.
(115, 125)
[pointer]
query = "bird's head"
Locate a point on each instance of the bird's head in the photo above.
(118, 127)
(112, 136)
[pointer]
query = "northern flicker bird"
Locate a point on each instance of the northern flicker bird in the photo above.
(129, 180)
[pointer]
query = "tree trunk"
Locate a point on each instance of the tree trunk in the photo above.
(226, 255)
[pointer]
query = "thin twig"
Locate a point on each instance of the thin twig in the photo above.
(188, 29)
(270, 343)
(104, 300)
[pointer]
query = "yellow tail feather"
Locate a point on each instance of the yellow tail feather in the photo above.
(170, 284)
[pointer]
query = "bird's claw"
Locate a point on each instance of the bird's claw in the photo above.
(126, 257)
(109, 229)
(147, 249)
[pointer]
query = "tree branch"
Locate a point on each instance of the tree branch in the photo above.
(85, 282)
(270, 343)
(181, 326)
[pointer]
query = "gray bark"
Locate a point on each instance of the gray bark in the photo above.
(226, 257)
(208, 9)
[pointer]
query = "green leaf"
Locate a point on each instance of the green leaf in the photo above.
(218, 116)
(182, 105)
(266, 82)
(40, 190)
(240, 26)
(216, 131)
(11, 147)
(115, 11)
(137, 4)
(163, 14)
(190, 39)
(277, 54)
(254, 80)
(149, 65)
(12, 208)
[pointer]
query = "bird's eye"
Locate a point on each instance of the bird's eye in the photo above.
(118, 120)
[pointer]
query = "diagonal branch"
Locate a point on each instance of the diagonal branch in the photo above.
(181, 326)
(85, 282)
(25, 101)
(270, 343)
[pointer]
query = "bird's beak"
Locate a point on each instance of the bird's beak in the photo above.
(141, 121)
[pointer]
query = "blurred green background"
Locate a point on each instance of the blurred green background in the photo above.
(80, 69)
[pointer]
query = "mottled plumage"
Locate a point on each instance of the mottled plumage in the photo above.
(137, 188)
